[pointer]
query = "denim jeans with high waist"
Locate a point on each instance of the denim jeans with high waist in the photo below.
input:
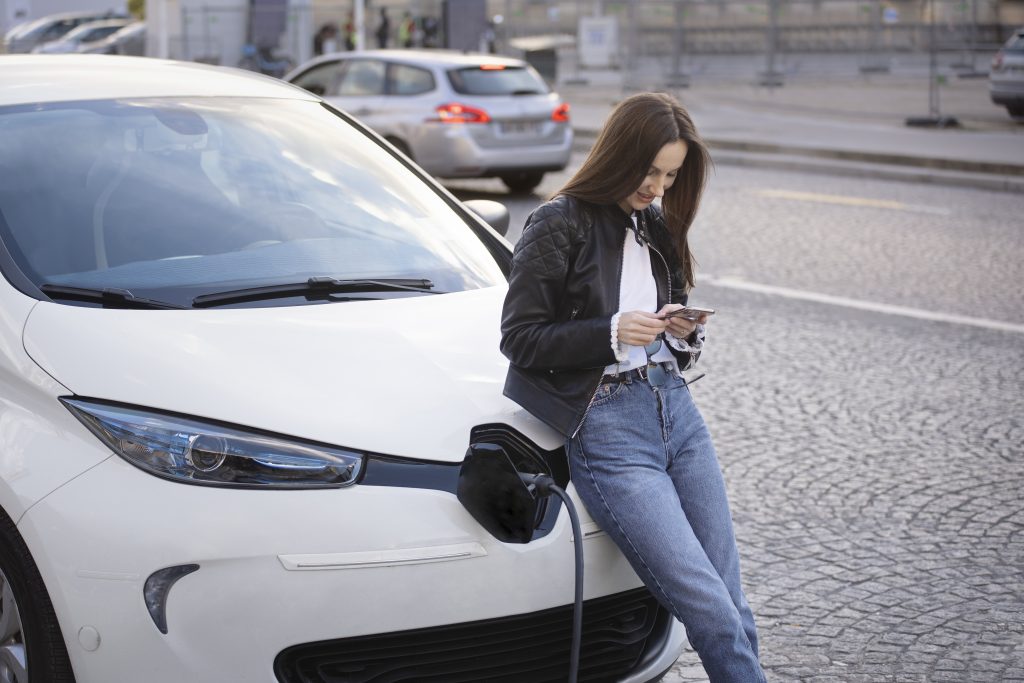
(644, 465)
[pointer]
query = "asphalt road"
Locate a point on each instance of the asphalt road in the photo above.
(864, 386)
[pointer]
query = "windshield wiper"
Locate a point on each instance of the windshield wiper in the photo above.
(526, 91)
(314, 287)
(109, 297)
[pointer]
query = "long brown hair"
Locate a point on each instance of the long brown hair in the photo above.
(618, 162)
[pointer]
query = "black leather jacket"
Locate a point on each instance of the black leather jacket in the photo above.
(562, 294)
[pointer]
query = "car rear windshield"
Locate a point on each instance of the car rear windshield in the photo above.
(497, 79)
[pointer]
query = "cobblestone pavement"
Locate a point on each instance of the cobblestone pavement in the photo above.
(874, 467)
(875, 462)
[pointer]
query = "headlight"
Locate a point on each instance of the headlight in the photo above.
(196, 452)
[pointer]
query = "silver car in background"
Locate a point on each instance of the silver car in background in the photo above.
(457, 115)
(80, 38)
(129, 40)
(1006, 78)
(27, 35)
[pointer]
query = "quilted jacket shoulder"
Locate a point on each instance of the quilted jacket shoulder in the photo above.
(551, 232)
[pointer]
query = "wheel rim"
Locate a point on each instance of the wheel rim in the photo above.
(13, 667)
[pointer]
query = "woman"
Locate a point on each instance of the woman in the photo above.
(593, 353)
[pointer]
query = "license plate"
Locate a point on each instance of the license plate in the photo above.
(520, 127)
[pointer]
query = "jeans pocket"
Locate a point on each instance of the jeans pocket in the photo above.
(606, 392)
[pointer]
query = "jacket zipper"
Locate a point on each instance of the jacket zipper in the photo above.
(668, 273)
(668, 278)
(618, 293)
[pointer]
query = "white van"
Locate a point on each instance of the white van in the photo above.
(247, 351)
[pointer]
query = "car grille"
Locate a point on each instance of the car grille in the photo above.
(618, 630)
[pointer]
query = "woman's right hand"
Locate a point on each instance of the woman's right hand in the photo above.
(639, 328)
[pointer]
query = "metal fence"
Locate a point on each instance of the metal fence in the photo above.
(744, 26)
(674, 40)
(288, 32)
(655, 38)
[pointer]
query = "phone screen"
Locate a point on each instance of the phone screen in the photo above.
(690, 312)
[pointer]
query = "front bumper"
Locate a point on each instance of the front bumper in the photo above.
(286, 568)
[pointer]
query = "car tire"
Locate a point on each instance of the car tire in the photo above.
(523, 182)
(1015, 110)
(30, 638)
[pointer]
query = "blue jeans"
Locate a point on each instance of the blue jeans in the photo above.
(644, 466)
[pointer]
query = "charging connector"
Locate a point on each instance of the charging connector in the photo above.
(543, 485)
(505, 502)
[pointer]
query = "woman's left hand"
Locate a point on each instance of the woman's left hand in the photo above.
(680, 327)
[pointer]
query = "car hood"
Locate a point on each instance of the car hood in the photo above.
(407, 377)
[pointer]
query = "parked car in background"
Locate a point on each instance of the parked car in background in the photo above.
(128, 40)
(82, 36)
(456, 115)
(249, 360)
(1006, 77)
(24, 37)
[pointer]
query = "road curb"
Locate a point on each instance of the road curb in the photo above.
(937, 163)
(935, 171)
(977, 181)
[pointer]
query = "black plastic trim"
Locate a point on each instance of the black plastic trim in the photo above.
(9, 265)
(619, 634)
(388, 470)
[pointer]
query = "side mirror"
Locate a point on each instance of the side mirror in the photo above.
(493, 213)
(490, 489)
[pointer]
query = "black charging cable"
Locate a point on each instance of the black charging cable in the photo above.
(542, 485)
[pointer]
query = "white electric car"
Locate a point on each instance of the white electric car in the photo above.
(246, 351)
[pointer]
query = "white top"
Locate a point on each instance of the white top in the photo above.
(639, 292)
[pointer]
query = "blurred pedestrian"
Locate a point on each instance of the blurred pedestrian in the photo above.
(383, 28)
(487, 39)
(325, 41)
(350, 32)
(597, 354)
(405, 30)
(430, 29)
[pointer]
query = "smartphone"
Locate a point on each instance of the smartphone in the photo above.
(690, 312)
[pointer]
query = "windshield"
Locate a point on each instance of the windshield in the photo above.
(173, 199)
(46, 28)
(29, 28)
(87, 34)
(497, 80)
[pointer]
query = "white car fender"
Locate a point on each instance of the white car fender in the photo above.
(41, 443)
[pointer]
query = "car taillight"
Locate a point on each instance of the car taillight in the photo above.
(561, 113)
(461, 113)
(997, 61)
